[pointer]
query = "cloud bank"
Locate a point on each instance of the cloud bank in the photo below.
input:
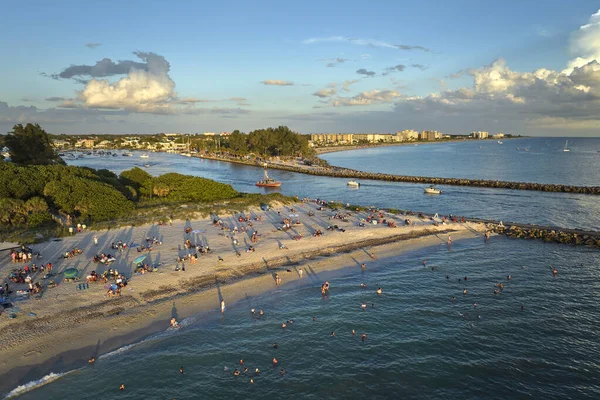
(277, 82)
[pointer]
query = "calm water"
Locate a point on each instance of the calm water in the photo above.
(557, 209)
(545, 162)
(418, 344)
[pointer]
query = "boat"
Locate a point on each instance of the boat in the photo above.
(499, 142)
(128, 154)
(147, 165)
(432, 190)
(527, 150)
(518, 148)
(566, 146)
(353, 184)
(268, 182)
(144, 156)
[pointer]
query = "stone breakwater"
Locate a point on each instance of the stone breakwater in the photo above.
(339, 172)
(548, 234)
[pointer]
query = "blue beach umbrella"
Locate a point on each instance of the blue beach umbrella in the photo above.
(139, 259)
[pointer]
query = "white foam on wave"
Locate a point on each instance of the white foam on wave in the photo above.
(19, 390)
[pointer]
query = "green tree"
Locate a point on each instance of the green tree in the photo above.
(31, 145)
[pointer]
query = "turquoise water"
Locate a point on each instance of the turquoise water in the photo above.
(418, 344)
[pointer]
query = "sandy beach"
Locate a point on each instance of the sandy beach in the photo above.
(63, 326)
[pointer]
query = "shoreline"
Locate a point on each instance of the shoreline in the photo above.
(334, 149)
(65, 333)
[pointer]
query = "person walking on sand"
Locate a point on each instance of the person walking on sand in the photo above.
(96, 240)
(300, 271)
(222, 306)
(449, 239)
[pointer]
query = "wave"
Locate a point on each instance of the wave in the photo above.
(19, 390)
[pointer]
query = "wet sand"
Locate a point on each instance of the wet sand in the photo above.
(70, 324)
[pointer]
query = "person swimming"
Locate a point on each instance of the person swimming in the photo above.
(453, 298)
(236, 372)
(363, 305)
(174, 323)
(251, 380)
(282, 371)
(245, 369)
(379, 291)
(274, 345)
(363, 266)
(363, 337)
(332, 333)
(261, 312)
(122, 387)
(554, 271)
(257, 371)
(241, 362)
(363, 285)
(283, 325)
(353, 333)
(275, 362)
(464, 291)
(181, 370)
(92, 360)
(508, 278)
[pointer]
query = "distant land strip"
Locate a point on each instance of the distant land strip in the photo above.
(339, 172)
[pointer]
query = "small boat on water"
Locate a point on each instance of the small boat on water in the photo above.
(566, 146)
(128, 154)
(499, 141)
(518, 148)
(147, 165)
(432, 190)
(353, 184)
(268, 182)
(144, 156)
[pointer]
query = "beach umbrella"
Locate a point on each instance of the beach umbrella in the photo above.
(71, 273)
(139, 259)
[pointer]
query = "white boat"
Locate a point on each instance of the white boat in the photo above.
(144, 156)
(353, 184)
(128, 154)
(499, 142)
(186, 154)
(432, 190)
(566, 146)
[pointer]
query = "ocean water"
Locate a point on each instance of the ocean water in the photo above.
(545, 162)
(555, 209)
(420, 343)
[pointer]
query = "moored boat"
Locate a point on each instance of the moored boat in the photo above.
(144, 156)
(268, 182)
(432, 190)
(353, 184)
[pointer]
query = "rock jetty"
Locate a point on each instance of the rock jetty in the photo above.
(548, 234)
(339, 172)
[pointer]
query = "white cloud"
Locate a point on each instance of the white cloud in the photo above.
(277, 82)
(346, 85)
(150, 90)
(364, 42)
(366, 98)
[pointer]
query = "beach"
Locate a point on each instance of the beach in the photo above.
(69, 325)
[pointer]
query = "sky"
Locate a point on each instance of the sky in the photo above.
(519, 67)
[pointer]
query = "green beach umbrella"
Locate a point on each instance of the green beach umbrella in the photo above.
(71, 273)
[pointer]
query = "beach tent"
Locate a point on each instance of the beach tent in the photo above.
(71, 273)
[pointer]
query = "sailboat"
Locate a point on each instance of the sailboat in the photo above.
(566, 146)
(268, 182)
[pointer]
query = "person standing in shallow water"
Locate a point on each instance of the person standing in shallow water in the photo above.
(222, 306)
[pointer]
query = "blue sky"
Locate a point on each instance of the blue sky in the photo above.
(316, 66)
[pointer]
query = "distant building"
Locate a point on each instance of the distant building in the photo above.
(225, 134)
(87, 143)
(60, 144)
(430, 135)
(480, 135)
(498, 136)
(407, 135)
(209, 134)
(332, 138)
